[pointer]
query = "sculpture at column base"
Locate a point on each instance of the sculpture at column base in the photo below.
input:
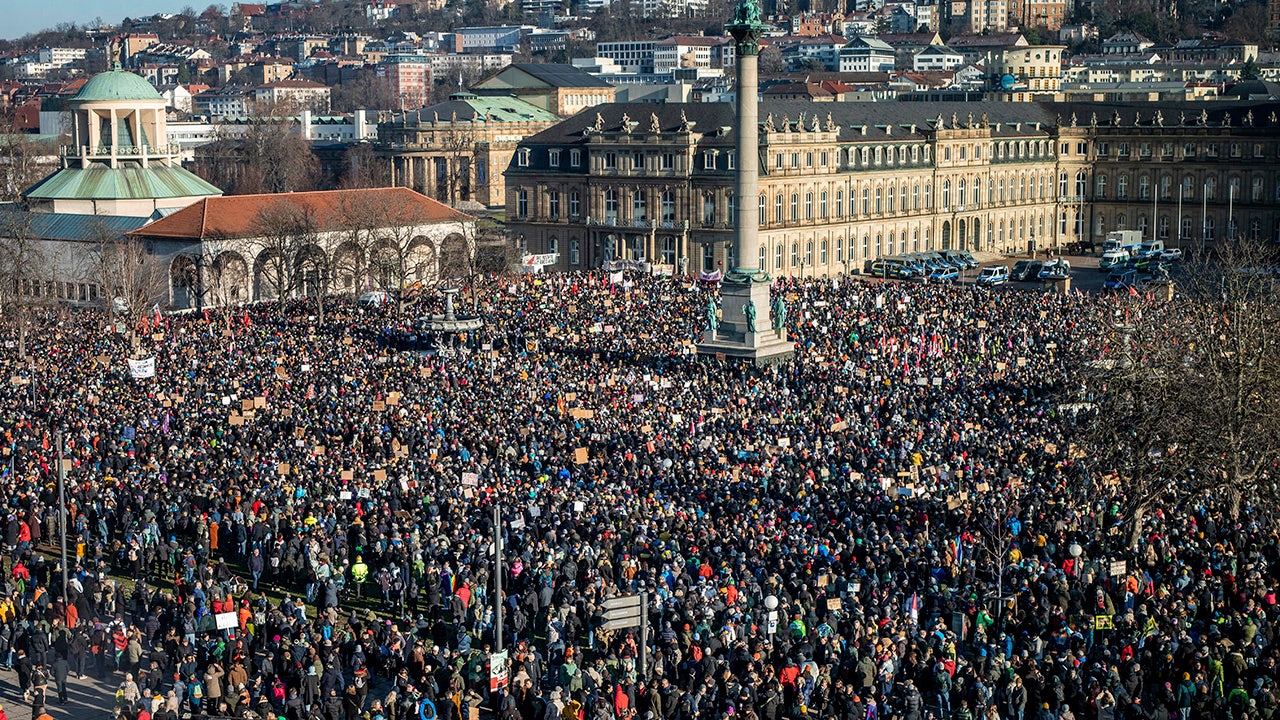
(733, 337)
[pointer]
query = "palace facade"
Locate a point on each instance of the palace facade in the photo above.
(844, 183)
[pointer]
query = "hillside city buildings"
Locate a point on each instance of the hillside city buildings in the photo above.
(886, 127)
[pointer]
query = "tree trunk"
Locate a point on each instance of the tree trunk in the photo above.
(1135, 532)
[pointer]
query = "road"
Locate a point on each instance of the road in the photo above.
(87, 699)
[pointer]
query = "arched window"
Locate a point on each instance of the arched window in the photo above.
(639, 209)
(961, 192)
(611, 205)
(1122, 187)
(946, 194)
(795, 206)
(1100, 187)
(778, 212)
(808, 206)
(892, 200)
(822, 205)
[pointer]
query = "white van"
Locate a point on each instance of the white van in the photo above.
(993, 275)
(373, 299)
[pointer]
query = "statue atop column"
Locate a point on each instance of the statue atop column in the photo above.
(746, 27)
(779, 313)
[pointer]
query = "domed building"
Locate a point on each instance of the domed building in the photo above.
(119, 163)
(122, 224)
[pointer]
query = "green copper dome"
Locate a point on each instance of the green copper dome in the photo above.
(116, 85)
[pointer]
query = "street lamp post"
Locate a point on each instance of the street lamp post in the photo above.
(497, 577)
(62, 513)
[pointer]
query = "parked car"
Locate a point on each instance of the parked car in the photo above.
(1113, 258)
(1058, 269)
(945, 275)
(373, 299)
(1120, 279)
(993, 275)
(1171, 255)
(1025, 270)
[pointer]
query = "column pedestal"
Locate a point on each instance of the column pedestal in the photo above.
(734, 339)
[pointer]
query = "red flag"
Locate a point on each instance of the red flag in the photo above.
(1132, 291)
(247, 322)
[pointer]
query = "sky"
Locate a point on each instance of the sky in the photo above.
(27, 16)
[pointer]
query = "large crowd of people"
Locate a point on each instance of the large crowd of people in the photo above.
(294, 518)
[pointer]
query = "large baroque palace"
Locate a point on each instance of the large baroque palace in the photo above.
(843, 183)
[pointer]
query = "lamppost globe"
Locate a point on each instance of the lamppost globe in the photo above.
(1075, 550)
(771, 602)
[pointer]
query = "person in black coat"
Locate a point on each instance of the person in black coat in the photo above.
(61, 668)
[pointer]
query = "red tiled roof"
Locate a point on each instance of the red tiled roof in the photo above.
(234, 216)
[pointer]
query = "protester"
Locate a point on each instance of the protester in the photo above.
(294, 518)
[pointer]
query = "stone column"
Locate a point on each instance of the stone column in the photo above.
(747, 330)
(746, 229)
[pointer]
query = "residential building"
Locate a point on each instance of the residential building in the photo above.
(937, 57)
(983, 16)
(631, 56)
(1049, 14)
(977, 48)
(227, 101)
(688, 52)
(294, 95)
(1024, 73)
(1126, 42)
(407, 77)
(61, 57)
(866, 54)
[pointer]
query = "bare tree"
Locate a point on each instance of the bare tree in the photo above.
(134, 282)
(398, 254)
(24, 160)
(283, 238)
(1231, 367)
(1187, 393)
(22, 269)
(266, 156)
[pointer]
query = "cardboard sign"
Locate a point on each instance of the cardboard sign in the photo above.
(348, 475)
(834, 603)
(283, 468)
(260, 402)
(379, 406)
(379, 475)
(470, 478)
(236, 420)
(246, 404)
(1118, 568)
(580, 456)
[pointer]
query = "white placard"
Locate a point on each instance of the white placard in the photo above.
(142, 369)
